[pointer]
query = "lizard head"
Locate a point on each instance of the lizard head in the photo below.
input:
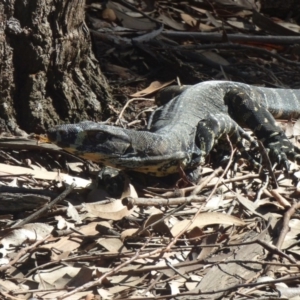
(91, 140)
(141, 151)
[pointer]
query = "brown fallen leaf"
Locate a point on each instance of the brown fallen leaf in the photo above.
(158, 223)
(111, 211)
(168, 21)
(112, 244)
(127, 233)
(44, 175)
(28, 233)
(153, 87)
(205, 219)
(189, 20)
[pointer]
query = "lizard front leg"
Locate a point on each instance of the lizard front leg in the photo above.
(218, 126)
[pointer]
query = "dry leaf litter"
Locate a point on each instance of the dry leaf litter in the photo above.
(233, 235)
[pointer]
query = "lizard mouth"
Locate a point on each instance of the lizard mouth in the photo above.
(90, 137)
(59, 137)
(50, 137)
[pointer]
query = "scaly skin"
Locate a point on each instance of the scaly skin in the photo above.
(184, 130)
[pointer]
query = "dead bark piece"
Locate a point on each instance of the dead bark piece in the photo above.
(18, 202)
(49, 73)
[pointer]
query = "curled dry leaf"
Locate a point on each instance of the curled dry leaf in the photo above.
(14, 182)
(73, 213)
(129, 191)
(297, 127)
(251, 206)
(127, 283)
(128, 233)
(75, 166)
(214, 203)
(28, 233)
(66, 245)
(8, 285)
(153, 87)
(189, 20)
(57, 277)
(112, 244)
(292, 237)
(216, 58)
(104, 294)
(44, 175)
(59, 294)
(158, 223)
(269, 25)
(111, 211)
(166, 20)
(206, 219)
(127, 21)
(288, 292)
(62, 223)
(82, 277)
(176, 284)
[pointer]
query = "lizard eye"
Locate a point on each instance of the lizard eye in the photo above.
(129, 150)
(97, 136)
(64, 133)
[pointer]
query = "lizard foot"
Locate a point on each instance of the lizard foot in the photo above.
(281, 150)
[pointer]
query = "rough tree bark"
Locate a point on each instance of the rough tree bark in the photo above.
(48, 73)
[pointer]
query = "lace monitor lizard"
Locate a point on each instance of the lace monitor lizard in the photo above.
(184, 130)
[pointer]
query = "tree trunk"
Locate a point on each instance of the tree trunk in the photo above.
(48, 73)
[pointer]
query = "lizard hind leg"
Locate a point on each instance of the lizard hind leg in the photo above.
(252, 113)
(217, 127)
